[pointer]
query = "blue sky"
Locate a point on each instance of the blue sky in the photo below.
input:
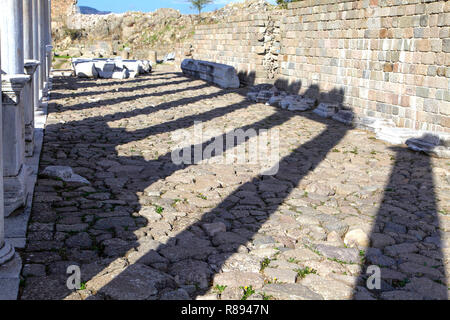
(119, 6)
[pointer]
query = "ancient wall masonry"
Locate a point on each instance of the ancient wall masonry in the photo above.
(61, 9)
(386, 59)
(390, 58)
(236, 42)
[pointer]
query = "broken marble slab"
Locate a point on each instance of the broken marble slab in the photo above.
(326, 109)
(110, 68)
(374, 124)
(344, 116)
(397, 135)
(86, 70)
(264, 95)
(434, 144)
(137, 66)
(276, 99)
(122, 74)
(223, 75)
(297, 103)
(169, 57)
(251, 95)
(64, 173)
(104, 66)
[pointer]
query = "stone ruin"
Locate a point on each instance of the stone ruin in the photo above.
(433, 143)
(110, 68)
(223, 75)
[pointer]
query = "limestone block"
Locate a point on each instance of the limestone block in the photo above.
(326, 110)
(86, 70)
(104, 66)
(119, 63)
(344, 116)
(263, 96)
(223, 75)
(146, 66)
(437, 145)
(123, 74)
(297, 103)
(16, 190)
(397, 135)
(170, 56)
(252, 96)
(357, 238)
(275, 100)
(64, 173)
(105, 75)
(374, 124)
(132, 65)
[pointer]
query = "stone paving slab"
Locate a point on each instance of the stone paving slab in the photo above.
(148, 228)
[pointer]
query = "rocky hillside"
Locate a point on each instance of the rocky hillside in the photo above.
(99, 35)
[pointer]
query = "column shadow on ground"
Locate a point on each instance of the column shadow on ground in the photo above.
(191, 256)
(57, 95)
(406, 239)
(197, 250)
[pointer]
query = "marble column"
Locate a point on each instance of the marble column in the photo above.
(47, 48)
(30, 68)
(13, 123)
(42, 46)
(36, 53)
(6, 250)
(49, 43)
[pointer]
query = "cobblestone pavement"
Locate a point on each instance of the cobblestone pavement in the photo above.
(146, 228)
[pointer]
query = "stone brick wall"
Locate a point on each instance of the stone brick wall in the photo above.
(390, 58)
(61, 9)
(381, 58)
(237, 41)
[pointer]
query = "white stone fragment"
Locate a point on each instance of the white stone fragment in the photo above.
(132, 65)
(108, 68)
(437, 144)
(357, 238)
(275, 100)
(86, 70)
(252, 95)
(397, 135)
(223, 75)
(124, 74)
(64, 173)
(326, 110)
(263, 96)
(297, 103)
(374, 124)
(344, 116)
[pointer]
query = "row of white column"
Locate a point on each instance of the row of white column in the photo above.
(25, 31)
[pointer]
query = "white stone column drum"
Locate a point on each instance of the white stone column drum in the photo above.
(6, 250)
(42, 35)
(30, 68)
(36, 52)
(13, 123)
